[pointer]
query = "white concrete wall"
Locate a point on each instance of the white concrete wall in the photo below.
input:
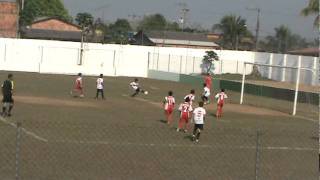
(61, 57)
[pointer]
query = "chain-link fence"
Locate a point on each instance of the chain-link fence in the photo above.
(65, 150)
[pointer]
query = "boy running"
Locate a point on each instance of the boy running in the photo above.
(185, 109)
(206, 94)
(78, 87)
(7, 92)
(198, 119)
(168, 103)
(221, 97)
(191, 96)
(100, 87)
(208, 80)
(136, 88)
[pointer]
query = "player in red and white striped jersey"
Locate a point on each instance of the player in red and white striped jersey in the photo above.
(169, 103)
(78, 86)
(191, 96)
(185, 109)
(221, 99)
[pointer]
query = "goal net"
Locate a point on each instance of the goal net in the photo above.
(291, 90)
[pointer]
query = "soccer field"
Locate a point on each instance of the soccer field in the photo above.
(65, 138)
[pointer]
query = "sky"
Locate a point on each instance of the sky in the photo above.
(205, 13)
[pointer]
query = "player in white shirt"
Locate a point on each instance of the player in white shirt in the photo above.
(220, 102)
(199, 114)
(191, 96)
(100, 86)
(136, 87)
(206, 94)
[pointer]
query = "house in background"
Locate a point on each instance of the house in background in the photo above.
(8, 19)
(315, 51)
(182, 39)
(140, 38)
(52, 28)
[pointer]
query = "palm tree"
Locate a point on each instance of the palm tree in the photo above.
(233, 29)
(282, 36)
(312, 9)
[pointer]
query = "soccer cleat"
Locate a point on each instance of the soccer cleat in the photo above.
(185, 131)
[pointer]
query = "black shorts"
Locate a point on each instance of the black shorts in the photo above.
(198, 126)
(7, 98)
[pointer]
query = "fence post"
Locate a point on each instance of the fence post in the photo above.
(314, 73)
(169, 64)
(297, 87)
(180, 64)
(114, 63)
(270, 68)
(5, 53)
(284, 63)
(18, 147)
(257, 164)
(242, 84)
(194, 58)
(158, 63)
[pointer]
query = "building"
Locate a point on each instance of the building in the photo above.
(183, 39)
(52, 28)
(315, 51)
(8, 19)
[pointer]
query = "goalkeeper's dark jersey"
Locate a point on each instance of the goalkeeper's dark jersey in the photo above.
(7, 87)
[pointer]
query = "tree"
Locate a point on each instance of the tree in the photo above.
(283, 40)
(233, 29)
(152, 23)
(282, 36)
(119, 31)
(208, 60)
(312, 9)
(84, 19)
(43, 8)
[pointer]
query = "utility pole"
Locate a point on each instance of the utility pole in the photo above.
(258, 10)
(184, 12)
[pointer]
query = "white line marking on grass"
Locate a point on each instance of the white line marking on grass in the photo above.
(191, 145)
(32, 134)
(154, 88)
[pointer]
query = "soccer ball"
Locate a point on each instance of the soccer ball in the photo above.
(146, 92)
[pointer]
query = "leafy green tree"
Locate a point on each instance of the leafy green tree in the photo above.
(233, 29)
(43, 8)
(283, 40)
(153, 22)
(312, 9)
(119, 31)
(84, 19)
(208, 61)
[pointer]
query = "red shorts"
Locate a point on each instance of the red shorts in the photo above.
(220, 105)
(185, 116)
(169, 110)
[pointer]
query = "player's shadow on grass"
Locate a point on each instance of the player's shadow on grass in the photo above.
(188, 137)
(163, 121)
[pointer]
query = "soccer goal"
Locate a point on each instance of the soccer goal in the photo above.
(281, 88)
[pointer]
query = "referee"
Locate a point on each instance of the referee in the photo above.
(7, 91)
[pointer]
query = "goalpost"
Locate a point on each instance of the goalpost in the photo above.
(297, 80)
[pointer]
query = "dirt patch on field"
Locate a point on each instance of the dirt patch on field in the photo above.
(252, 110)
(53, 101)
(245, 109)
